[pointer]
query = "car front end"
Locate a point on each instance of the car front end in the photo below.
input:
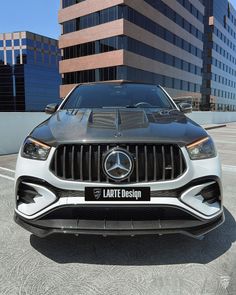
(118, 171)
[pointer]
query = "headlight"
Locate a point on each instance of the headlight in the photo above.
(202, 149)
(33, 149)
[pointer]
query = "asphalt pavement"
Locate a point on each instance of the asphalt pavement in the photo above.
(90, 265)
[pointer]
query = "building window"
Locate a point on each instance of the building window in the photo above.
(131, 15)
(128, 73)
(66, 3)
(132, 45)
(9, 57)
(17, 42)
(178, 19)
(8, 43)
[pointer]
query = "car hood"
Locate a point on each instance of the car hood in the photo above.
(118, 125)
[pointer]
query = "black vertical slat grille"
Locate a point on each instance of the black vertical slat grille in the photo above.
(64, 163)
(137, 163)
(73, 163)
(90, 163)
(152, 162)
(56, 163)
(99, 163)
(128, 151)
(163, 162)
(146, 163)
(81, 162)
(172, 162)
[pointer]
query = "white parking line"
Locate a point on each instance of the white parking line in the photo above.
(229, 168)
(7, 177)
(226, 151)
(223, 141)
(6, 169)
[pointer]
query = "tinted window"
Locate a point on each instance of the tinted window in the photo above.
(117, 95)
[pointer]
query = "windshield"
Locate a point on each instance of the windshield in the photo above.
(125, 95)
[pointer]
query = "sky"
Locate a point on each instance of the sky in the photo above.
(233, 2)
(37, 16)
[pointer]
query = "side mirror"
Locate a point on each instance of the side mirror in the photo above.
(185, 107)
(51, 108)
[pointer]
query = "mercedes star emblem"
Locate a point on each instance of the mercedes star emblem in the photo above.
(118, 164)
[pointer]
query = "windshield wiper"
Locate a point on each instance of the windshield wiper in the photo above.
(130, 107)
(140, 107)
(114, 107)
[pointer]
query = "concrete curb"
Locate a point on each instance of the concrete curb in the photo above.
(214, 127)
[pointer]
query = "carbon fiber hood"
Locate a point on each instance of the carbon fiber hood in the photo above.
(118, 125)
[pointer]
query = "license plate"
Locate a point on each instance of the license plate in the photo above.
(118, 194)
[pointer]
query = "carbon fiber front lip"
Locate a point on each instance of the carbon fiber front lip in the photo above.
(154, 228)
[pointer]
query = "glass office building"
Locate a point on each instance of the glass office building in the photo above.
(155, 41)
(219, 74)
(29, 73)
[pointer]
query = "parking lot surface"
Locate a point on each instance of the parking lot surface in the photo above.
(150, 265)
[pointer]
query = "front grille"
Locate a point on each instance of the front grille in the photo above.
(84, 163)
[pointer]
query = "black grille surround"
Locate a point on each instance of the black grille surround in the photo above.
(84, 162)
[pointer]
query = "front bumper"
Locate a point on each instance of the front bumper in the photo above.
(176, 206)
(52, 210)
